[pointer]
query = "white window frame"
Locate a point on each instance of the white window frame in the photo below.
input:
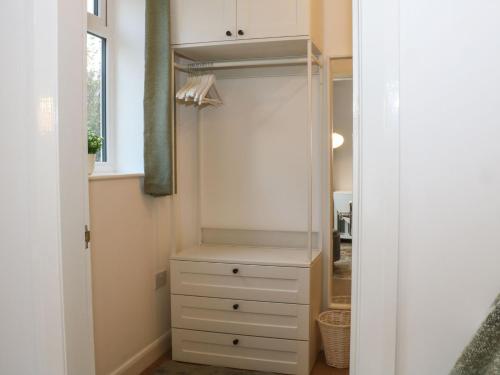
(98, 25)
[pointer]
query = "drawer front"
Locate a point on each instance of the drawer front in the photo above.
(245, 282)
(246, 352)
(279, 320)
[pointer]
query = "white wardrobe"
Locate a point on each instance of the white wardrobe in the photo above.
(246, 295)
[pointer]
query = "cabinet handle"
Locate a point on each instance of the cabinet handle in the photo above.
(235, 270)
(236, 342)
(229, 33)
(241, 32)
(236, 306)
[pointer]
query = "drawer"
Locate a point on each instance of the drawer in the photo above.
(280, 320)
(244, 282)
(246, 352)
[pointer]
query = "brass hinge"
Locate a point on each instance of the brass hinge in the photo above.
(87, 236)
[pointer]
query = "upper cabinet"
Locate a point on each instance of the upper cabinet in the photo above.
(203, 21)
(271, 18)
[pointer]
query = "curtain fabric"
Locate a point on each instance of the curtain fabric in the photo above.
(482, 355)
(158, 142)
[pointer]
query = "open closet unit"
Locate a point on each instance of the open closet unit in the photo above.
(247, 293)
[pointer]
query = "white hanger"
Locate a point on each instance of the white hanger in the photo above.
(206, 82)
(200, 89)
(180, 94)
(209, 81)
(193, 89)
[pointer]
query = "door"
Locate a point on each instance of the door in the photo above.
(201, 21)
(271, 18)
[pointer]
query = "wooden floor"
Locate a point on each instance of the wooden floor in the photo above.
(321, 368)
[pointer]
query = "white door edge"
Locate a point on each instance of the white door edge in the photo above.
(375, 232)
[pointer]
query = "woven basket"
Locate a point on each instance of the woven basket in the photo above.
(335, 327)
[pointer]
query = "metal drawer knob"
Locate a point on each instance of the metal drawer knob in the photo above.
(236, 306)
(229, 33)
(236, 342)
(240, 32)
(235, 270)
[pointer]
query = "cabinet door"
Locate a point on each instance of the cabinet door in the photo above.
(198, 21)
(272, 18)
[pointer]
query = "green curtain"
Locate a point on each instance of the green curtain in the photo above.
(482, 355)
(158, 142)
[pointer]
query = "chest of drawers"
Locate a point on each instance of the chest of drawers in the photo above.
(251, 311)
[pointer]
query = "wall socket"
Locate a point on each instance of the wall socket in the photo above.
(160, 279)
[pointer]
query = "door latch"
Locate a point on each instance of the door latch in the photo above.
(87, 236)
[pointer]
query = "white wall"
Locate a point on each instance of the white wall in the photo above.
(126, 83)
(254, 168)
(450, 179)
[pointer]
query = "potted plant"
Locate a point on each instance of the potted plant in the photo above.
(94, 143)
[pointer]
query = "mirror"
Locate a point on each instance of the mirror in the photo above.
(341, 118)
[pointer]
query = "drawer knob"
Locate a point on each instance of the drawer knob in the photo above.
(236, 342)
(235, 270)
(236, 306)
(240, 32)
(229, 33)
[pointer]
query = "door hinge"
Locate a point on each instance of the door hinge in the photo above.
(87, 236)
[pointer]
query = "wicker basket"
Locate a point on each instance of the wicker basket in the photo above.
(335, 327)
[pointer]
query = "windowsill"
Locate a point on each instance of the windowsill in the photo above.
(114, 175)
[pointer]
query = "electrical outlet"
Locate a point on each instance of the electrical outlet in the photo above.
(160, 280)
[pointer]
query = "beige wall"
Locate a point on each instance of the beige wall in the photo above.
(338, 27)
(130, 243)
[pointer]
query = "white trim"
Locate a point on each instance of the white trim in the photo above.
(115, 176)
(309, 148)
(375, 195)
(356, 202)
(98, 24)
(326, 166)
(327, 183)
(161, 345)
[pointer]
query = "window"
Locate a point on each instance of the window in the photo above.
(97, 51)
(92, 7)
(96, 89)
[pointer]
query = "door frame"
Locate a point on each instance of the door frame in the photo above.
(74, 188)
(376, 189)
(376, 171)
(327, 171)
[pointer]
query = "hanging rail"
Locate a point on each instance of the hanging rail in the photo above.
(245, 63)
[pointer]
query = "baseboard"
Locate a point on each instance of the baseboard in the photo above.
(147, 356)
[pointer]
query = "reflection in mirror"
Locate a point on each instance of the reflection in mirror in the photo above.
(341, 194)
